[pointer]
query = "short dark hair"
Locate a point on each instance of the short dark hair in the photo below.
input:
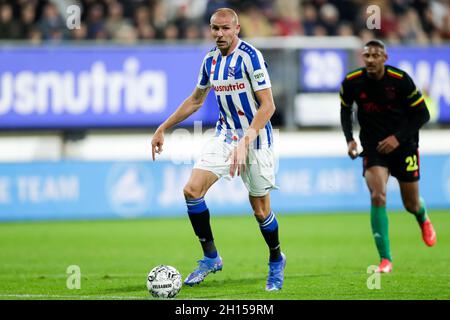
(376, 43)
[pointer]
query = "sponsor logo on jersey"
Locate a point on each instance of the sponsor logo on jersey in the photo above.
(258, 75)
(230, 87)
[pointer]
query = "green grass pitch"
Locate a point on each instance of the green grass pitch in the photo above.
(327, 258)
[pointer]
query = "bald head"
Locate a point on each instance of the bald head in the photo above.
(225, 13)
(225, 29)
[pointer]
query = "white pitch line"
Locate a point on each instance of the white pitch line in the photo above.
(102, 276)
(68, 296)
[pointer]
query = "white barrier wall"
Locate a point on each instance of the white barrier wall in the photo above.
(112, 175)
(112, 189)
(181, 145)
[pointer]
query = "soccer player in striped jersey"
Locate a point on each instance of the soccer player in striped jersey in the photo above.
(242, 143)
(391, 110)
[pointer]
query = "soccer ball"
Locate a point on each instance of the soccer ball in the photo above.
(164, 281)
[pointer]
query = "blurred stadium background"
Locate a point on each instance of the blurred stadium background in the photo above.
(78, 108)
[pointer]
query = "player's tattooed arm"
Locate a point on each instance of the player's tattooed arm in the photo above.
(262, 116)
(266, 110)
(189, 106)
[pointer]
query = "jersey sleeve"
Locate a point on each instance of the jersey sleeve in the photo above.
(417, 110)
(256, 69)
(413, 96)
(346, 94)
(346, 97)
(203, 81)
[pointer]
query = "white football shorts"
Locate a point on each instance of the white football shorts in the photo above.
(259, 174)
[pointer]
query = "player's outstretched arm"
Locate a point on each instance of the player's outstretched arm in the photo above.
(188, 107)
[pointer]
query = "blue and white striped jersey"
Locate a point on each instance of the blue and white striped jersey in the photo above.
(235, 79)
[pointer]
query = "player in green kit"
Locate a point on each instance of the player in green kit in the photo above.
(390, 112)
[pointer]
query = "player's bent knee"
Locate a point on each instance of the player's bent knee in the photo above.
(378, 198)
(261, 210)
(259, 215)
(192, 192)
(412, 207)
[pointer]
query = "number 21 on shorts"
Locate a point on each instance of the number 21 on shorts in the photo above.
(412, 163)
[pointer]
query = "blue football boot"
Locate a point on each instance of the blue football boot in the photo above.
(276, 274)
(205, 267)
